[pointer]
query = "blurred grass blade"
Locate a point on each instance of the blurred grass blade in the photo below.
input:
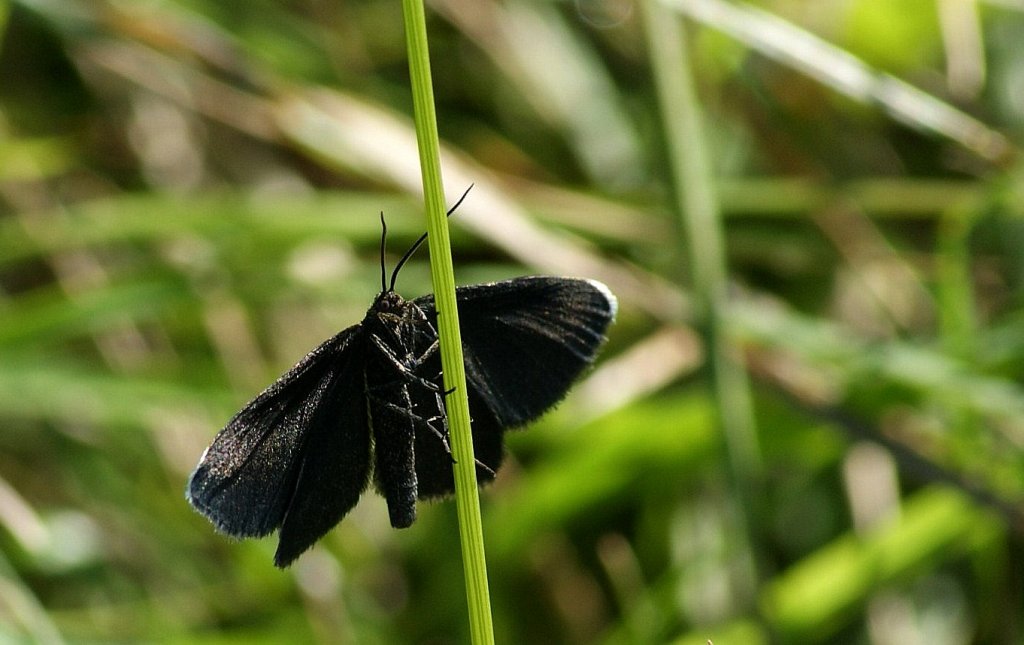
(815, 596)
(33, 389)
(697, 207)
(25, 608)
(559, 74)
(846, 74)
(52, 317)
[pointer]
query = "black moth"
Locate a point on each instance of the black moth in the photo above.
(369, 404)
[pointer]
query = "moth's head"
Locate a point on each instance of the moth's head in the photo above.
(387, 303)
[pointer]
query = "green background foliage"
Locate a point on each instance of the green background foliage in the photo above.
(189, 199)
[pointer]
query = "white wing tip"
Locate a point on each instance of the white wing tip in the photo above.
(613, 302)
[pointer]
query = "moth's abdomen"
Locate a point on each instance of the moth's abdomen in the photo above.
(393, 427)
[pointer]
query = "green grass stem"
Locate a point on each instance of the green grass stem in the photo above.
(443, 276)
(697, 205)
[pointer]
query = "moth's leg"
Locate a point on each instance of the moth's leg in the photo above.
(429, 422)
(406, 377)
(444, 434)
(408, 373)
(430, 350)
(434, 384)
(439, 392)
(488, 469)
(434, 346)
(387, 352)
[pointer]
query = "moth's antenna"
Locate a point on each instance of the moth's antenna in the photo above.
(421, 240)
(383, 243)
(461, 199)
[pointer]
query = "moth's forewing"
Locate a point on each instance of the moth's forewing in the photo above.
(335, 464)
(524, 342)
(246, 480)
